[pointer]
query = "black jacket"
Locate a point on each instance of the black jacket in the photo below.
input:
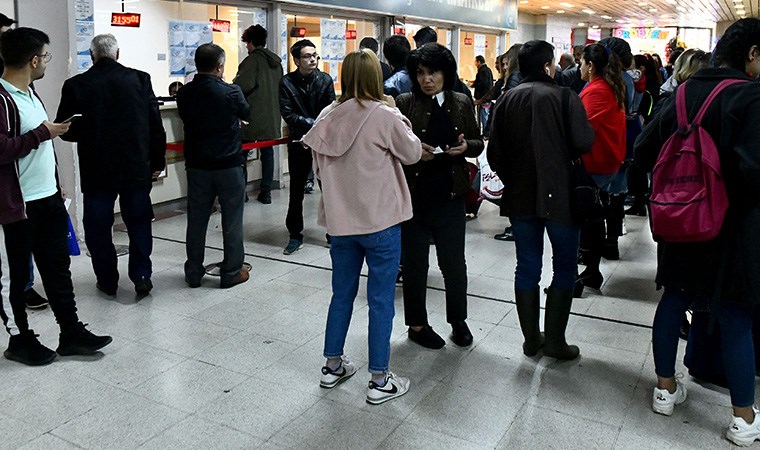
(303, 98)
(735, 253)
(571, 78)
(211, 111)
(121, 140)
(483, 82)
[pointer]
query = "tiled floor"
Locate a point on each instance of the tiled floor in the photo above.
(239, 368)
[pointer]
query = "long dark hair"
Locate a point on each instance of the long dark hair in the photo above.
(608, 66)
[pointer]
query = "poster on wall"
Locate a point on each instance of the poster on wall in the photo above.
(184, 38)
(284, 41)
(333, 34)
(85, 30)
(260, 18)
(480, 44)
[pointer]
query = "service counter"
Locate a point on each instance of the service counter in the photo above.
(172, 184)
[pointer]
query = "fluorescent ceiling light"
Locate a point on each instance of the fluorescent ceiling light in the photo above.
(581, 24)
(567, 5)
(652, 9)
(560, 11)
(544, 7)
(588, 11)
(620, 21)
(604, 16)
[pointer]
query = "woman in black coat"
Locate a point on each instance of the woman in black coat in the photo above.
(723, 273)
(444, 121)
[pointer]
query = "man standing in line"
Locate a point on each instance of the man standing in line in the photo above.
(304, 93)
(212, 111)
(372, 44)
(121, 148)
(483, 84)
(31, 206)
(259, 77)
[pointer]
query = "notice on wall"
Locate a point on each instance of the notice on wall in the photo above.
(284, 41)
(480, 44)
(84, 19)
(333, 34)
(184, 38)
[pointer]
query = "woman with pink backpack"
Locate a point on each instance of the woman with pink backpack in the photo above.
(717, 265)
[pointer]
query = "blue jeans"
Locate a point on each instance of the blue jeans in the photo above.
(529, 246)
(736, 339)
(382, 251)
(483, 117)
(137, 213)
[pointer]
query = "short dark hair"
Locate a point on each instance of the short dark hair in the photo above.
(255, 35)
(425, 35)
(674, 54)
(733, 47)
(621, 48)
(480, 59)
(207, 57)
(434, 57)
(295, 50)
(370, 43)
(396, 50)
(533, 57)
(19, 45)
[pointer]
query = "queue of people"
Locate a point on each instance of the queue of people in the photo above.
(393, 177)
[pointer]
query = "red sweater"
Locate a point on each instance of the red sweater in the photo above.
(608, 121)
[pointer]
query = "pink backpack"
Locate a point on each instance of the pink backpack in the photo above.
(689, 199)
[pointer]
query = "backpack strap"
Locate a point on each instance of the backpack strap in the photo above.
(713, 95)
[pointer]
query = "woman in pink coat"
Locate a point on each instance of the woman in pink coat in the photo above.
(359, 145)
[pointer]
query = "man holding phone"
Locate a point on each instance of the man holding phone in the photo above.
(122, 146)
(32, 213)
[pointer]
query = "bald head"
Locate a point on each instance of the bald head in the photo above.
(566, 60)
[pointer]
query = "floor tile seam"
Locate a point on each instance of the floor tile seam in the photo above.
(518, 414)
(479, 296)
(292, 420)
(121, 387)
(58, 437)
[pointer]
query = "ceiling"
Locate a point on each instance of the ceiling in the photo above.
(638, 13)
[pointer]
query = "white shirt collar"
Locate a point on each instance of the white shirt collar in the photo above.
(439, 96)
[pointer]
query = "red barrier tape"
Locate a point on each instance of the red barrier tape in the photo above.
(180, 146)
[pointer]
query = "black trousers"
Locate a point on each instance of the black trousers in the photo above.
(445, 222)
(203, 186)
(299, 165)
(44, 234)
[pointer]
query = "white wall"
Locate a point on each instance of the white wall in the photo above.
(8, 8)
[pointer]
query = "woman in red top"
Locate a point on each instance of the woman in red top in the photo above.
(604, 99)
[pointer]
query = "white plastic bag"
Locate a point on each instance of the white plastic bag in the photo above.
(491, 186)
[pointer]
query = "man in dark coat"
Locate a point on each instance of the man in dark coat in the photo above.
(304, 93)
(211, 111)
(259, 78)
(483, 84)
(121, 148)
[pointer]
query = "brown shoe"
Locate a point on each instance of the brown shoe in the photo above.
(241, 278)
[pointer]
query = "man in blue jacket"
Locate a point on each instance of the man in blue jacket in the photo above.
(212, 111)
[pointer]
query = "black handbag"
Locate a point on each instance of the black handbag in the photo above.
(586, 203)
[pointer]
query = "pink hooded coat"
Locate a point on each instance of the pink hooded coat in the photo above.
(358, 153)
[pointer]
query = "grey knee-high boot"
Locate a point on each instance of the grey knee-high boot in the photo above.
(558, 303)
(528, 311)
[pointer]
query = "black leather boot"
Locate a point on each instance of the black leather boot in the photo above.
(558, 303)
(528, 312)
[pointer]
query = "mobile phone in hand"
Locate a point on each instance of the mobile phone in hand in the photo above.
(74, 116)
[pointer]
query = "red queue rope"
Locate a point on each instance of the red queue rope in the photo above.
(180, 146)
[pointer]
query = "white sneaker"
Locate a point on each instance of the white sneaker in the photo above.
(331, 378)
(743, 434)
(395, 386)
(663, 401)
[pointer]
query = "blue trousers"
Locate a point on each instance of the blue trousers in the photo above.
(382, 251)
(137, 213)
(529, 247)
(736, 336)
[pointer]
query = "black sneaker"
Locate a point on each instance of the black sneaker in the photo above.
(34, 300)
(460, 334)
(26, 349)
(143, 286)
(265, 197)
(427, 338)
(109, 291)
(80, 341)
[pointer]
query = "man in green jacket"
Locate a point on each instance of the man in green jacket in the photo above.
(259, 77)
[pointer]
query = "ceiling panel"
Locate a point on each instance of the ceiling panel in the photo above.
(615, 14)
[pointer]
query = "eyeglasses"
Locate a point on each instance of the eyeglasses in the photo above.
(45, 56)
(310, 56)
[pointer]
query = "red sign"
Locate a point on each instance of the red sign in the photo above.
(297, 32)
(350, 34)
(467, 41)
(399, 30)
(222, 26)
(125, 20)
